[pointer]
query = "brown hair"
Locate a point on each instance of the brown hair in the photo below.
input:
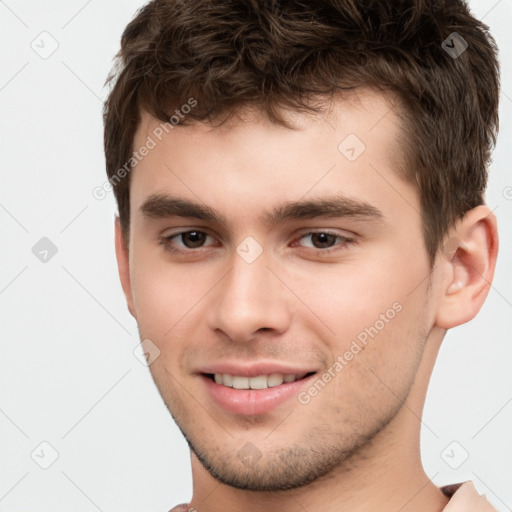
(231, 54)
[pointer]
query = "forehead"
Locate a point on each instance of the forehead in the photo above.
(353, 145)
(360, 110)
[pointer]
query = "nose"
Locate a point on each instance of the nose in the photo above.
(250, 299)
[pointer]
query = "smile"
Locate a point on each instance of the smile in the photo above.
(257, 382)
(252, 395)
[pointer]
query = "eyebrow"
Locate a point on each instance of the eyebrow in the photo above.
(159, 206)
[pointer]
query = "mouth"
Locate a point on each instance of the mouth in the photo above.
(258, 394)
(263, 381)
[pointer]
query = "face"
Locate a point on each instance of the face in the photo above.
(283, 277)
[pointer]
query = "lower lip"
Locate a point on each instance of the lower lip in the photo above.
(250, 402)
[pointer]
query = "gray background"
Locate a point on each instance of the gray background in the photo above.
(68, 374)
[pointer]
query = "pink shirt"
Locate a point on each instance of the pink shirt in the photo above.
(463, 498)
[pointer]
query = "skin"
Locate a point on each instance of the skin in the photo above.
(355, 446)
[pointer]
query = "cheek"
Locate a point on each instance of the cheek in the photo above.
(377, 320)
(351, 297)
(375, 371)
(170, 304)
(162, 293)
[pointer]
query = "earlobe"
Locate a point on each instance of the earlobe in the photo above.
(468, 259)
(123, 265)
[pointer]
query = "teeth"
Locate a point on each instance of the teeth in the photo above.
(258, 382)
(240, 382)
(276, 379)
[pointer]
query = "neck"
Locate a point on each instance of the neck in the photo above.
(386, 474)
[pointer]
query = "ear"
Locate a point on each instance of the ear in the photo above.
(468, 259)
(123, 265)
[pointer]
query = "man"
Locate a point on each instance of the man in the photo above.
(301, 219)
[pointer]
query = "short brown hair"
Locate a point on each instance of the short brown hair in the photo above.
(231, 54)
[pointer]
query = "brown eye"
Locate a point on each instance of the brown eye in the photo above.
(193, 239)
(192, 243)
(323, 243)
(323, 240)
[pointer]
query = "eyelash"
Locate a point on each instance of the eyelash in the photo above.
(345, 242)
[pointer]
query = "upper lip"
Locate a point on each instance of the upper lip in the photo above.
(254, 369)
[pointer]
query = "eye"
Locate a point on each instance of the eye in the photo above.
(180, 242)
(325, 241)
(321, 240)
